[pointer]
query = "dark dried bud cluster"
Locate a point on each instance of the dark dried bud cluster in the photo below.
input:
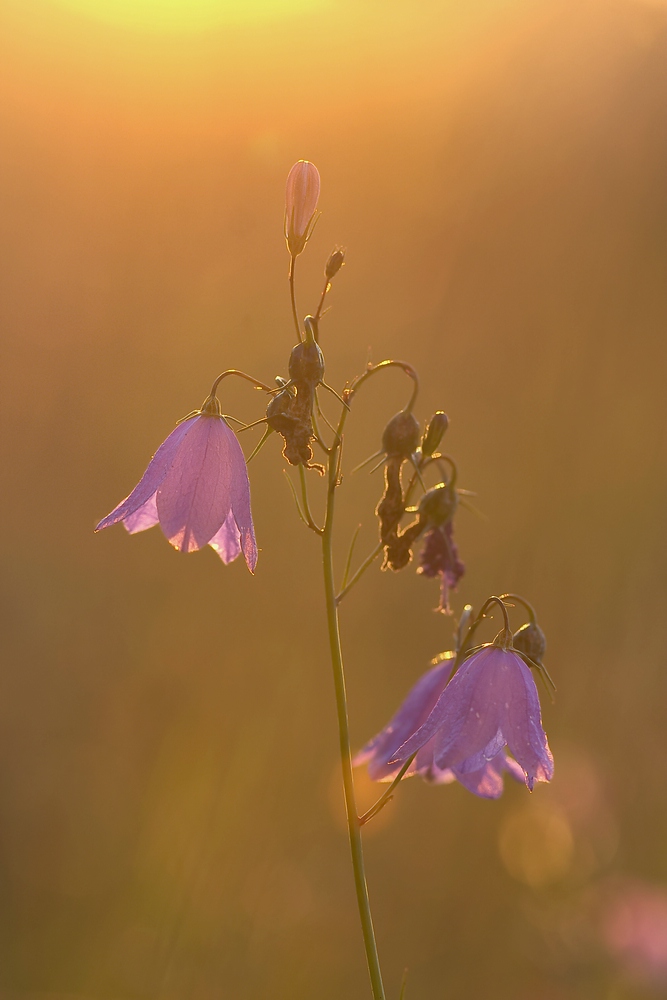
(531, 640)
(391, 507)
(290, 412)
(439, 555)
(397, 544)
(400, 440)
(398, 550)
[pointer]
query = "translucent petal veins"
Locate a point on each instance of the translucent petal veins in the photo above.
(152, 478)
(459, 728)
(490, 703)
(196, 487)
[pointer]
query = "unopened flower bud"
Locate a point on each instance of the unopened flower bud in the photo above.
(334, 264)
(531, 640)
(301, 196)
(434, 432)
(401, 435)
(437, 506)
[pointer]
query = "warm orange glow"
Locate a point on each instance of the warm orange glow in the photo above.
(188, 15)
(172, 818)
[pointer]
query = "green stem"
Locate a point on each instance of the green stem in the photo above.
(368, 561)
(353, 826)
(388, 794)
(292, 295)
(306, 505)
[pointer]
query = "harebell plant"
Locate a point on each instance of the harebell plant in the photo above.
(475, 715)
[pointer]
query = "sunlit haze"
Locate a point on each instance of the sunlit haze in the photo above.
(170, 807)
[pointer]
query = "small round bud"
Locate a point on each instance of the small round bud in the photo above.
(301, 197)
(434, 432)
(438, 505)
(334, 264)
(401, 435)
(306, 363)
(531, 640)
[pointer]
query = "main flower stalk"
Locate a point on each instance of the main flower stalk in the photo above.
(353, 825)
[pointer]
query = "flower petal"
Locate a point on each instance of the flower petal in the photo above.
(153, 476)
(143, 517)
(241, 502)
(412, 713)
(481, 703)
(436, 776)
(514, 769)
(465, 717)
(480, 759)
(227, 541)
(487, 781)
(525, 736)
(195, 495)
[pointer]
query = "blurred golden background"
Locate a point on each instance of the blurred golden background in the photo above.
(170, 806)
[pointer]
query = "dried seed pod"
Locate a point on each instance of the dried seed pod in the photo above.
(438, 505)
(531, 640)
(400, 437)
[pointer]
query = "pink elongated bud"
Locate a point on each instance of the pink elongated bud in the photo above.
(301, 196)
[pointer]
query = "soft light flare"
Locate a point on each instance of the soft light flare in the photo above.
(188, 15)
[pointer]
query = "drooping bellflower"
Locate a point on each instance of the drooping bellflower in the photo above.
(489, 704)
(380, 753)
(196, 488)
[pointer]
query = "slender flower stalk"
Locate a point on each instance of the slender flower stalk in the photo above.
(353, 822)
(332, 599)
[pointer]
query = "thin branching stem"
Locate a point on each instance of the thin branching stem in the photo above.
(306, 505)
(260, 444)
(388, 794)
(327, 286)
(532, 617)
(316, 431)
(296, 499)
(234, 371)
(348, 561)
(368, 561)
(383, 366)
